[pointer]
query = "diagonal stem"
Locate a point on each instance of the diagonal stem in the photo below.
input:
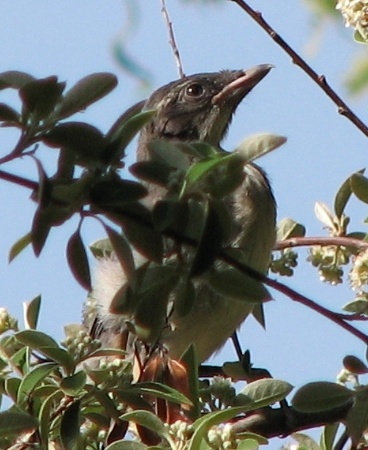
(343, 108)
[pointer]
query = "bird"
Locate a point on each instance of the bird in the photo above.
(195, 108)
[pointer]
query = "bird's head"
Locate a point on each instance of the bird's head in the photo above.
(199, 107)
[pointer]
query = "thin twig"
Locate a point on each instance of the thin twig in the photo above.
(20, 181)
(343, 108)
(172, 40)
(293, 295)
(236, 344)
(323, 241)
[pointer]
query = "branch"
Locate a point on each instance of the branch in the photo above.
(294, 295)
(342, 107)
(323, 241)
(20, 181)
(172, 40)
(286, 420)
(339, 319)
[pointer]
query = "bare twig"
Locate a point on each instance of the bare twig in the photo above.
(322, 241)
(343, 108)
(172, 40)
(20, 181)
(294, 295)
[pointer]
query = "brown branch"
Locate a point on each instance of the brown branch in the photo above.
(280, 287)
(294, 295)
(172, 40)
(342, 107)
(286, 420)
(323, 241)
(20, 181)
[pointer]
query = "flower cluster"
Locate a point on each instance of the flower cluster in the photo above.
(359, 272)
(284, 262)
(222, 437)
(80, 344)
(329, 260)
(7, 322)
(355, 14)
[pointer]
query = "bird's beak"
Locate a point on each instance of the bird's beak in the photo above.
(242, 84)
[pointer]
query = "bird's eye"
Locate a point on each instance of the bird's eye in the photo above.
(194, 90)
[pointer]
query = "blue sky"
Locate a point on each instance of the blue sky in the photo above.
(72, 39)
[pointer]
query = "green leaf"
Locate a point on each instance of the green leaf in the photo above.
(267, 389)
(161, 391)
(235, 370)
(201, 168)
(210, 242)
(185, 297)
(84, 140)
(106, 352)
(122, 119)
(204, 149)
(44, 415)
(124, 254)
(152, 171)
(147, 420)
(354, 365)
(59, 355)
(16, 423)
(153, 297)
(78, 261)
(359, 185)
(101, 248)
(167, 152)
(343, 195)
(41, 226)
(357, 417)
(113, 192)
(11, 386)
(32, 311)
(233, 284)
(190, 361)
(288, 228)
(35, 339)
(258, 145)
(69, 426)
(359, 37)
(145, 239)
(203, 424)
(8, 114)
(14, 79)
(248, 444)
(33, 378)
(171, 215)
(73, 384)
(40, 97)
(121, 134)
(21, 359)
(357, 306)
(106, 402)
(321, 396)
(19, 246)
(328, 436)
(85, 92)
(127, 445)
(305, 442)
(324, 215)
